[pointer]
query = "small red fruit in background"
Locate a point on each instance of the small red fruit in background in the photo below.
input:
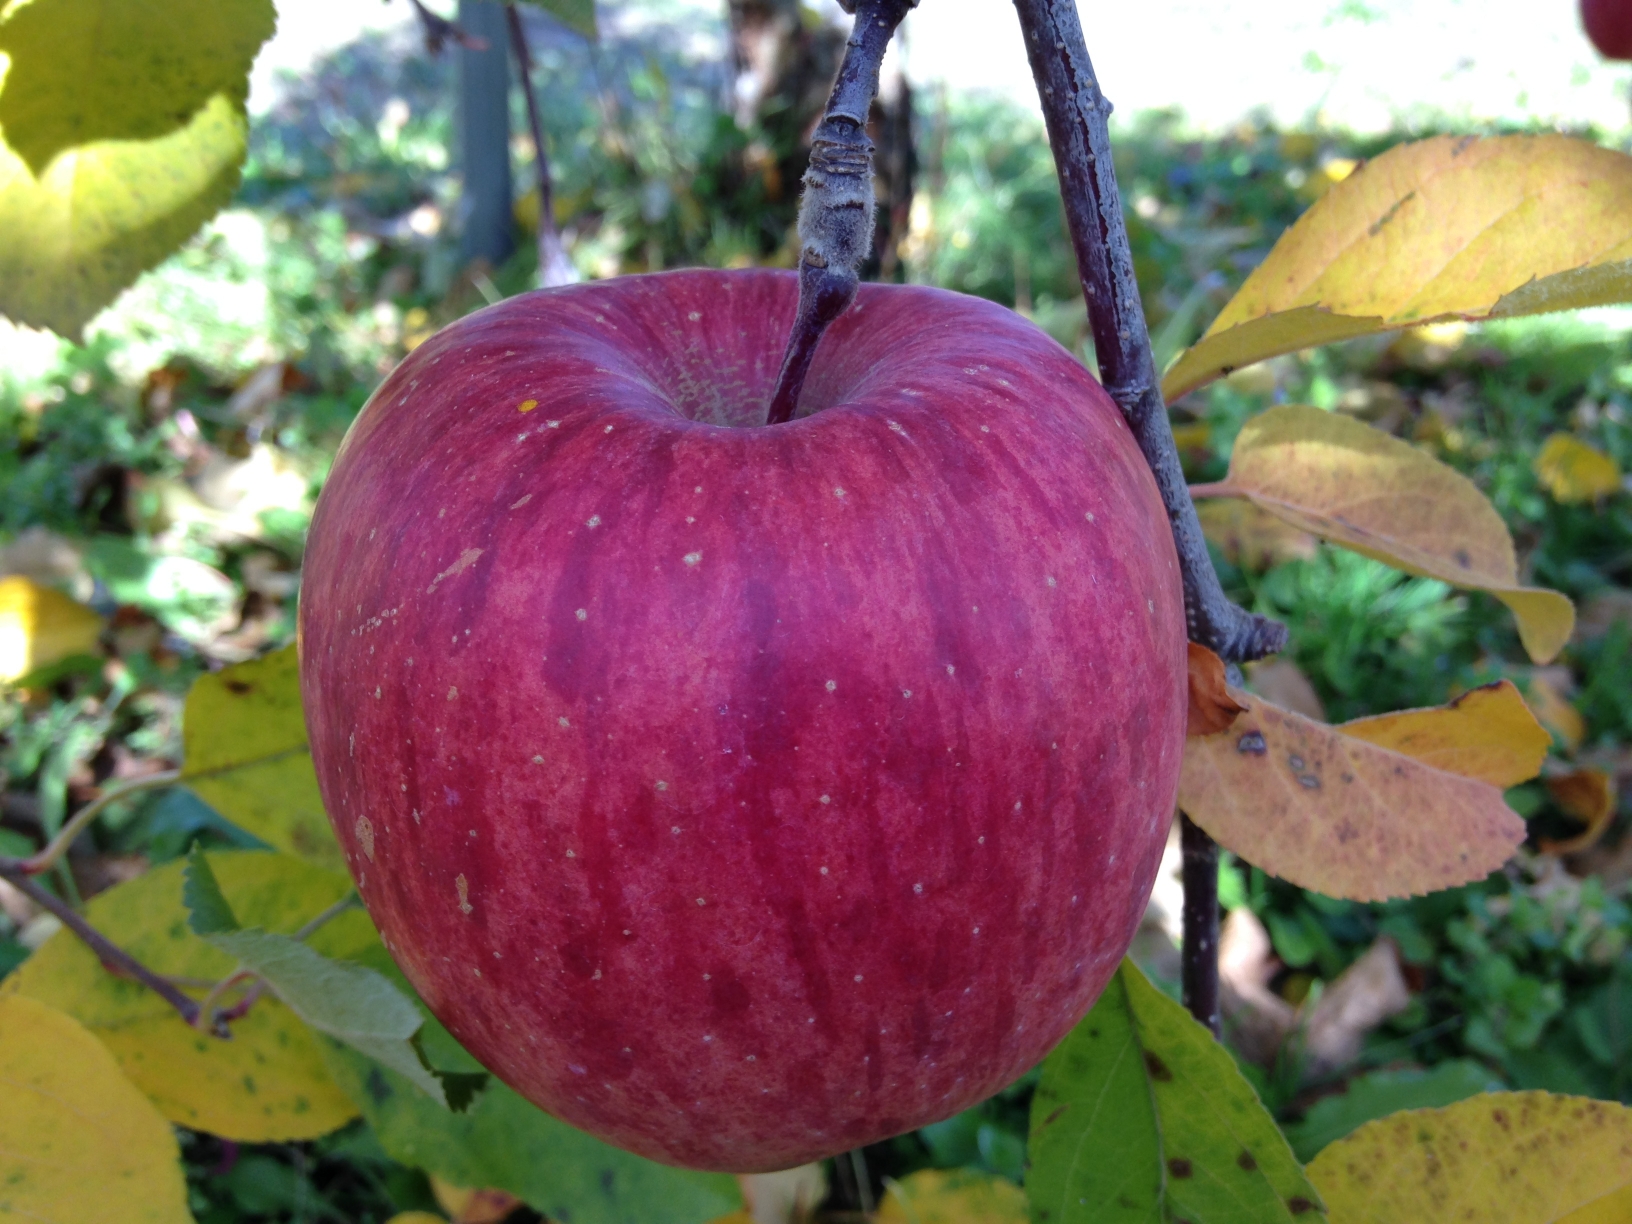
(1609, 25)
(744, 794)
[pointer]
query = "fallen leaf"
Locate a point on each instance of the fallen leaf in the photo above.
(1572, 471)
(1364, 995)
(1336, 814)
(1339, 478)
(1549, 700)
(1446, 228)
(39, 627)
(1256, 1019)
(1212, 709)
(953, 1196)
(79, 1143)
(1282, 682)
(1487, 733)
(1498, 1158)
(1587, 795)
(1252, 538)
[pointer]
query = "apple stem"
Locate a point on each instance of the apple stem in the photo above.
(836, 212)
(1077, 115)
(554, 268)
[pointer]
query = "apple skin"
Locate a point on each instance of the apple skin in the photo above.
(743, 795)
(1608, 24)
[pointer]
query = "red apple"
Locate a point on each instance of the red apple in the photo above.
(1609, 25)
(740, 793)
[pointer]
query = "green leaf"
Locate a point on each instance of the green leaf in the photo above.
(508, 1144)
(245, 754)
(208, 912)
(578, 15)
(1381, 1093)
(84, 207)
(88, 70)
(1141, 1116)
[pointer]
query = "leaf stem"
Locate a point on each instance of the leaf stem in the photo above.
(836, 213)
(112, 957)
(554, 268)
(46, 858)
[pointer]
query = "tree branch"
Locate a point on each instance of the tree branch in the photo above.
(554, 268)
(114, 958)
(836, 213)
(1077, 116)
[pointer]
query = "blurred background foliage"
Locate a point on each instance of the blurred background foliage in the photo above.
(163, 473)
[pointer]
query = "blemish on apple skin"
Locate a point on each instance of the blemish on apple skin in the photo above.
(832, 685)
(692, 558)
(463, 885)
(838, 492)
(593, 521)
(452, 694)
(467, 559)
(538, 760)
(582, 614)
(364, 828)
(563, 721)
(950, 670)
(526, 405)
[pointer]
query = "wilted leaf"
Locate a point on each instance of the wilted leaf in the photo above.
(506, 1143)
(244, 741)
(953, 1196)
(1141, 1116)
(1487, 733)
(1498, 1158)
(269, 1082)
(1548, 699)
(1212, 709)
(1252, 538)
(1379, 1093)
(79, 1144)
(1357, 486)
(576, 15)
(1587, 795)
(1451, 227)
(39, 627)
(1572, 471)
(1339, 815)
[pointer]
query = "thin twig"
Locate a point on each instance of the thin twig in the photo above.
(554, 268)
(1200, 924)
(46, 858)
(112, 956)
(836, 214)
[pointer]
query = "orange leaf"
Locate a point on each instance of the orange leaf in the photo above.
(1587, 795)
(1357, 486)
(1447, 228)
(1339, 815)
(1212, 709)
(1487, 733)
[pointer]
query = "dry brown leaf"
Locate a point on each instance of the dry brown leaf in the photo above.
(1282, 682)
(1587, 795)
(1446, 228)
(1487, 733)
(1212, 709)
(1252, 538)
(1364, 995)
(1337, 477)
(1339, 815)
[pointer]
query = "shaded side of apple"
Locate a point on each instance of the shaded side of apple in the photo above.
(742, 795)
(1608, 24)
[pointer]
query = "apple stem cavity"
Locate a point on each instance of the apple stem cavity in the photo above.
(554, 267)
(1077, 115)
(836, 211)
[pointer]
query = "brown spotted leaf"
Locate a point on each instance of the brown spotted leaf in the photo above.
(1446, 228)
(1339, 815)
(1336, 477)
(1212, 709)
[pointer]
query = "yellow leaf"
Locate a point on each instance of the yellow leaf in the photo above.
(1487, 733)
(1357, 486)
(269, 1082)
(1252, 538)
(1337, 814)
(78, 1143)
(416, 1217)
(1446, 228)
(1548, 701)
(953, 1196)
(1587, 795)
(244, 743)
(39, 627)
(1498, 1158)
(1572, 471)
(467, 1206)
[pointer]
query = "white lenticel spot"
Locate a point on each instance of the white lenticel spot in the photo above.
(917, 888)
(552, 424)
(694, 316)
(674, 828)
(831, 685)
(700, 901)
(1049, 578)
(562, 721)
(838, 491)
(906, 692)
(827, 799)
(1089, 515)
(593, 520)
(609, 429)
(950, 669)
(582, 614)
(858, 977)
(662, 786)
(1150, 605)
(692, 558)
(824, 870)
(698, 489)
(452, 693)
(538, 760)
(570, 854)
(520, 502)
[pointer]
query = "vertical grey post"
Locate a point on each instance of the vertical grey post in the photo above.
(487, 229)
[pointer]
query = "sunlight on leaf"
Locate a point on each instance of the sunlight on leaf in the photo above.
(1450, 227)
(1499, 1158)
(953, 1196)
(1488, 733)
(39, 627)
(1572, 471)
(269, 1082)
(1357, 486)
(1336, 814)
(79, 1144)
(245, 750)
